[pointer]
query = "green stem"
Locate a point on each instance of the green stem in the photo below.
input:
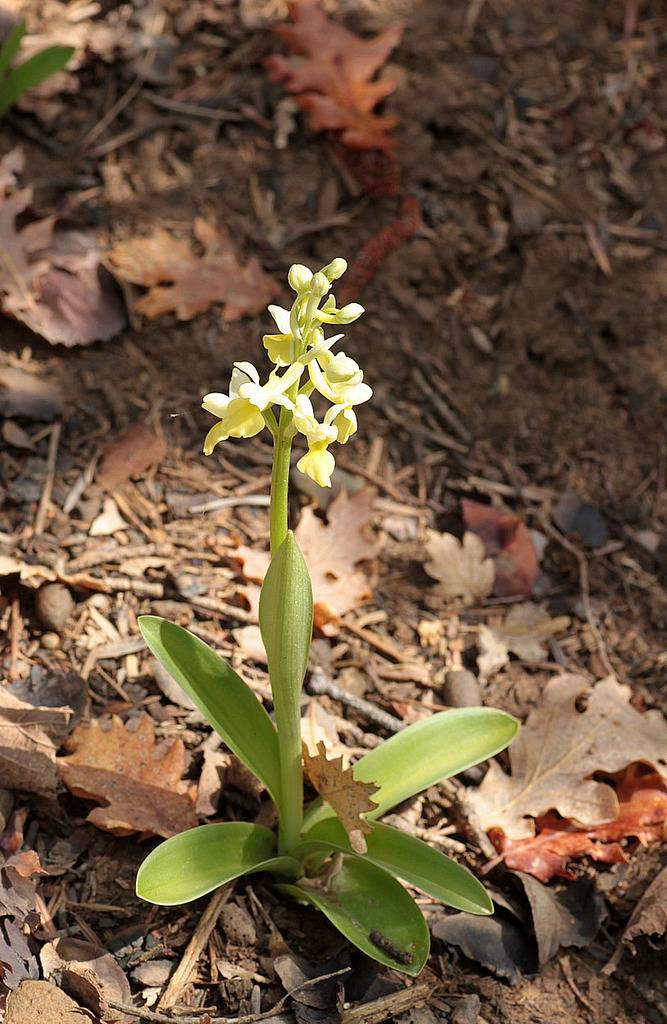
(280, 484)
(287, 717)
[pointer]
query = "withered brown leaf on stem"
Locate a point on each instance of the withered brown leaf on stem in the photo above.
(350, 799)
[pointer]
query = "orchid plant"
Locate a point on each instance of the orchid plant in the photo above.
(334, 853)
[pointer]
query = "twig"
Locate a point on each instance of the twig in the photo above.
(112, 113)
(320, 684)
(192, 109)
(387, 1006)
(207, 923)
(255, 500)
(47, 490)
(248, 1018)
(584, 586)
(442, 409)
(564, 964)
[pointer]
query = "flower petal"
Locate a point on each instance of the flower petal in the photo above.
(280, 348)
(318, 464)
(215, 403)
(281, 317)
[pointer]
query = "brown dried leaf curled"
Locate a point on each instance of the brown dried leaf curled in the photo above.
(181, 282)
(577, 731)
(349, 798)
(138, 781)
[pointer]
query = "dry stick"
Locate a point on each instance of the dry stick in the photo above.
(387, 1006)
(193, 951)
(248, 1018)
(320, 684)
(45, 500)
(112, 113)
(584, 587)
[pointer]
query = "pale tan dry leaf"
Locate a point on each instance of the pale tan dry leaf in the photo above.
(350, 799)
(461, 567)
(577, 731)
(318, 726)
(27, 750)
(211, 783)
(88, 971)
(333, 551)
(108, 522)
(183, 283)
(43, 1002)
(138, 781)
(248, 639)
(523, 631)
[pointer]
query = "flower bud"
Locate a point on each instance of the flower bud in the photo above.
(319, 285)
(299, 277)
(335, 269)
(349, 313)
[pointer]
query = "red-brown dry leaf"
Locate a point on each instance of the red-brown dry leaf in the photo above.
(138, 781)
(334, 84)
(642, 815)
(50, 280)
(181, 282)
(333, 550)
(508, 542)
(349, 798)
(131, 454)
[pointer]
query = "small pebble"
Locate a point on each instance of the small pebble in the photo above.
(54, 606)
(51, 641)
(238, 926)
(461, 689)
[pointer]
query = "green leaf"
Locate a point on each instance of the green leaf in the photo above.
(10, 47)
(410, 859)
(32, 72)
(362, 900)
(220, 694)
(286, 623)
(428, 752)
(197, 861)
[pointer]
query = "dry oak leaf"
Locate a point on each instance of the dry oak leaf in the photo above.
(349, 798)
(642, 816)
(460, 566)
(138, 781)
(648, 918)
(335, 83)
(577, 731)
(333, 551)
(181, 282)
(522, 632)
(27, 750)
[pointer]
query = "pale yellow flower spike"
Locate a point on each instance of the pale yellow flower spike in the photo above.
(298, 347)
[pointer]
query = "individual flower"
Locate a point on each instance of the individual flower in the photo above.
(339, 378)
(281, 347)
(318, 463)
(240, 412)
